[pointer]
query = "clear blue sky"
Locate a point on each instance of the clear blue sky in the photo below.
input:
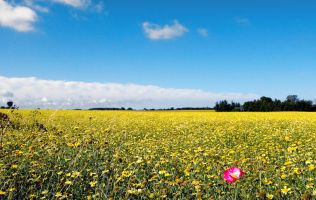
(262, 47)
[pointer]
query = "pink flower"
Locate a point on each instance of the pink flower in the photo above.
(232, 174)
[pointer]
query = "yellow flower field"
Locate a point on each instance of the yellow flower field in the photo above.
(157, 155)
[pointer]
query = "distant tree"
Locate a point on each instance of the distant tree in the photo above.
(129, 108)
(10, 104)
(277, 105)
(292, 98)
(303, 105)
(314, 108)
(224, 106)
(266, 104)
(194, 108)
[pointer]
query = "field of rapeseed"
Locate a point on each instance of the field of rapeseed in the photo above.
(157, 155)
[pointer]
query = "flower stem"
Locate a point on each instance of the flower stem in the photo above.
(236, 190)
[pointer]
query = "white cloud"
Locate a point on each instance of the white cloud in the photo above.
(74, 3)
(34, 6)
(40, 8)
(19, 18)
(242, 21)
(6, 94)
(157, 32)
(22, 17)
(203, 32)
(99, 7)
(31, 92)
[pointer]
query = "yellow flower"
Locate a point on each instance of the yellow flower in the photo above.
(311, 167)
(58, 194)
(77, 144)
(308, 162)
(92, 174)
(68, 182)
(267, 181)
(75, 174)
(93, 183)
(45, 192)
(287, 138)
(14, 166)
(162, 172)
(134, 191)
(2, 193)
(285, 190)
(163, 196)
(269, 196)
(167, 174)
(139, 161)
(297, 170)
(287, 163)
(309, 185)
(195, 182)
(18, 152)
(187, 173)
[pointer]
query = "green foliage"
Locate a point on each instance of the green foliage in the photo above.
(10, 104)
(224, 106)
(267, 104)
(292, 103)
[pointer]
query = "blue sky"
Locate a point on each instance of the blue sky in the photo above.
(245, 47)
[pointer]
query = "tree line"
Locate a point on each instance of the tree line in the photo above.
(10, 105)
(264, 104)
(122, 108)
(267, 104)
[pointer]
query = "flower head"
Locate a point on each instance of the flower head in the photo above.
(269, 196)
(68, 182)
(285, 190)
(232, 174)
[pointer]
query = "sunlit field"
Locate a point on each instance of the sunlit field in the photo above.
(156, 155)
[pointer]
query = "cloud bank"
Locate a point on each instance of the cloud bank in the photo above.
(23, 17)
(74, 3)
(157, 32)
(32, 92)
(19, 18)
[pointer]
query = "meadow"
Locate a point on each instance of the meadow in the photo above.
(157, 155)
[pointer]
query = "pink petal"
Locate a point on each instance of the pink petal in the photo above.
(228, 178)
(232, 174)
